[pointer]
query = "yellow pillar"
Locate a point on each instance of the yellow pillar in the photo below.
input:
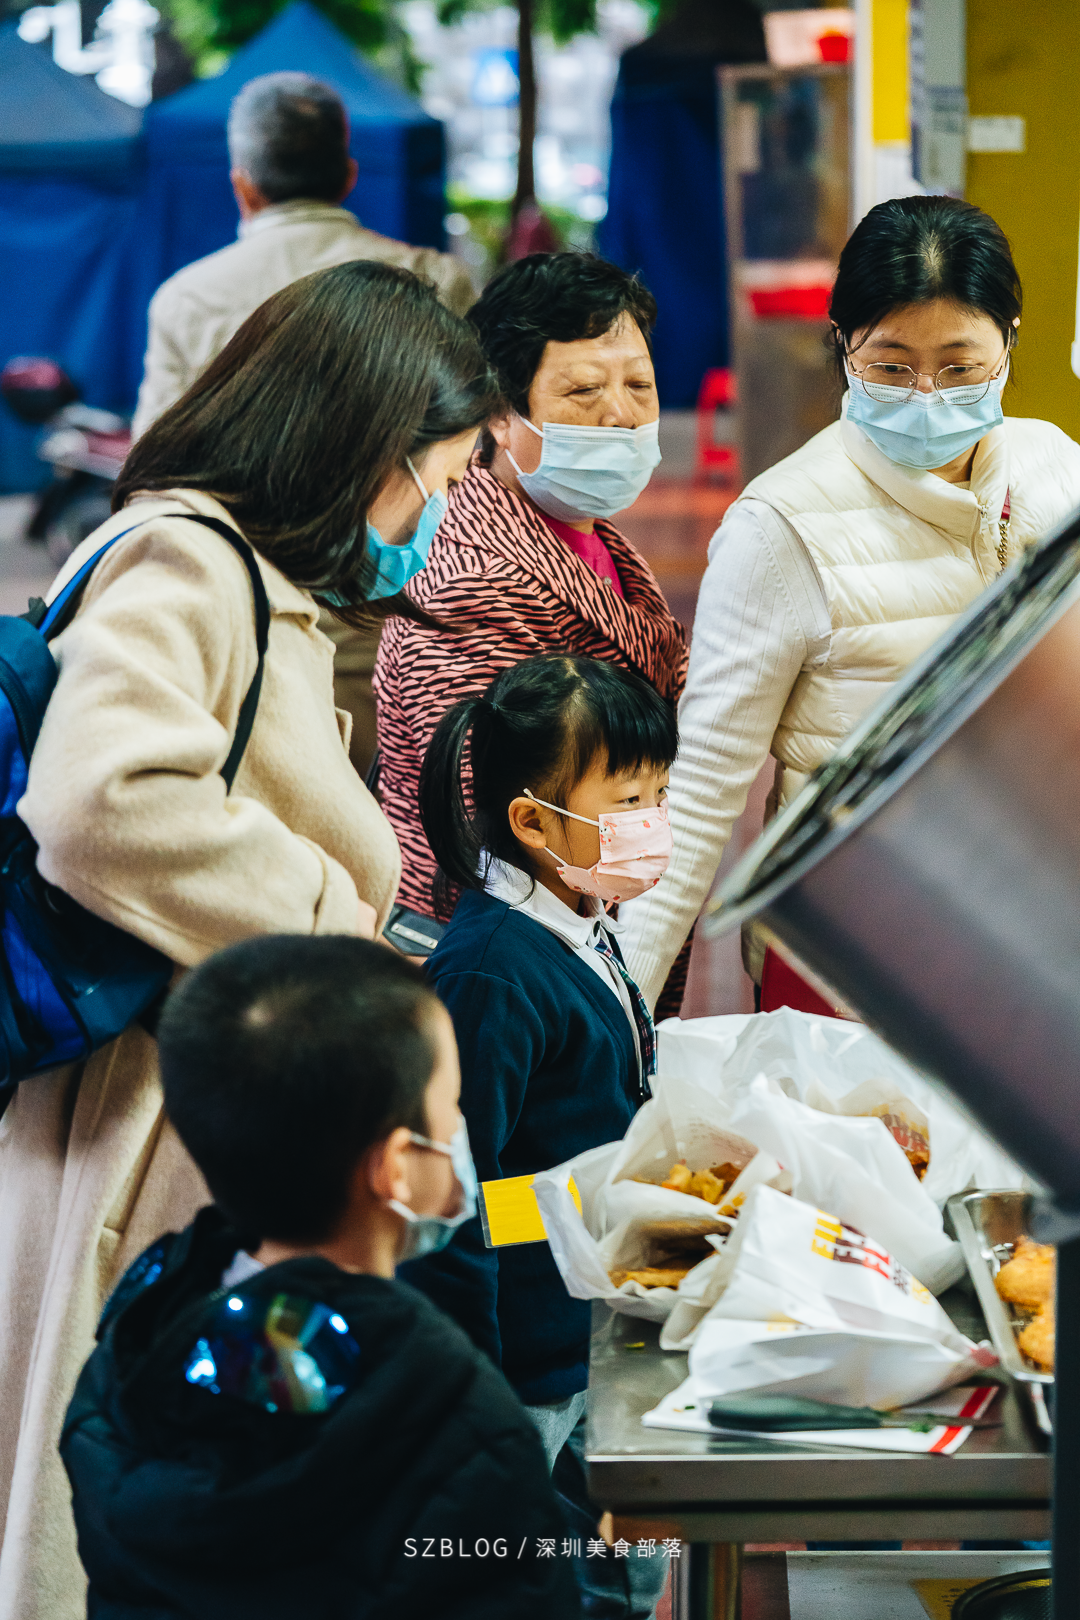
(1024, 61)
(892, 117)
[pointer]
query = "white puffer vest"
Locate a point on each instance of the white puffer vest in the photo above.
(901, 553)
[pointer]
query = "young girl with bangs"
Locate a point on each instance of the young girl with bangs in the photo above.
(569, 761)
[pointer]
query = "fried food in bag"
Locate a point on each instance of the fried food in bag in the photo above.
(653, 1276)
(643, 1228)
(711, 1185)
(882, 1099)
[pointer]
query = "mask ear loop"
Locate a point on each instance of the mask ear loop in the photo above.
(572, 813)
(419, 480)
(520, 472)
(417, 1139)
(559, 812)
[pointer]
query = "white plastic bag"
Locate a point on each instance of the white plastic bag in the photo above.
(807, 1306)
(855, 1168)
(817, 1059)
(847, 1093)
(822, 1098)
(628, 1220)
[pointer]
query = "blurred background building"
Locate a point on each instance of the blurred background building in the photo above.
(112, 167)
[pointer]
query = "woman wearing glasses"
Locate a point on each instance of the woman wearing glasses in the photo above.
(838, 567)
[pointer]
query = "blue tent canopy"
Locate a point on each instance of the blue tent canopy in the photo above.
(397, 146)
(94, 215)
(52, 121)
(70, 177)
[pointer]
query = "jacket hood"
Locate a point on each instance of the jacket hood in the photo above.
(223, 1482)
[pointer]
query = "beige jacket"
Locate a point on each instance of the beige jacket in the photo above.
(195, 313)
(132, 819)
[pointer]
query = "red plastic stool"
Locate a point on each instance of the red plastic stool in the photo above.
(717, 393)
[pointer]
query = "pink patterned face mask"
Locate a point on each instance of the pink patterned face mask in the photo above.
(635, 848)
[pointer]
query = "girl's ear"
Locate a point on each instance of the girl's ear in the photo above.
(526, 823)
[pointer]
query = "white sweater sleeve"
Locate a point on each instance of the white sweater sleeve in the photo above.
(761, 618)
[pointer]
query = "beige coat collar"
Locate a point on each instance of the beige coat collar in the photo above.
(959, 512)
(284, 597)
(304, 211)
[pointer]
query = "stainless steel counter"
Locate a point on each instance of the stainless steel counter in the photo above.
(665, 1483)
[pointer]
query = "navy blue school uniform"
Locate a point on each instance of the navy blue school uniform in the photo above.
(549, 1068)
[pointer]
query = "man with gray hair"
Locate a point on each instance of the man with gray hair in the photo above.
(290, 171)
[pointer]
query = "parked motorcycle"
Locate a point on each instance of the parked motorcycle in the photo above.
(85, 447)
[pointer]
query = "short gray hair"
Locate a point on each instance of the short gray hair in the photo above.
(290, 134)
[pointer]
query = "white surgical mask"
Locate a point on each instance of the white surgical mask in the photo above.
(925, 430)
(426, 1234)
(589, 472)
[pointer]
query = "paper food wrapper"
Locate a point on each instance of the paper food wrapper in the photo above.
(627, 1219)
(855, 1168)
(808, 1306)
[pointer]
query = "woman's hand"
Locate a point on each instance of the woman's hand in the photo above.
(366, 919)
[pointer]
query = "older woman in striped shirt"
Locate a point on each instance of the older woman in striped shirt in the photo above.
(526, 561)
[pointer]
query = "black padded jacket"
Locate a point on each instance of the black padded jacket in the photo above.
(422, 1491)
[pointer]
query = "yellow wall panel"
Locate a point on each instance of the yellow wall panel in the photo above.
(1024, 61)
(892, 121)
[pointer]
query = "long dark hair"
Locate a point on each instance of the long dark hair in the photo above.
(301, 418)
(539, 725)
(914, 249)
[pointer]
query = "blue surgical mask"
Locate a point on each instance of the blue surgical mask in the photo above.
(589, 472)
(394, 566)
(427, 1234)
(925, 430)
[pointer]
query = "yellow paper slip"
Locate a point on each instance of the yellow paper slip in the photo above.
(509, 1212)
(938, 1596)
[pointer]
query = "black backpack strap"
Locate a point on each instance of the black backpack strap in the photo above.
(246, 718)
(62, 611)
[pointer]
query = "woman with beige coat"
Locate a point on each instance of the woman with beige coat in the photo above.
(326, 433)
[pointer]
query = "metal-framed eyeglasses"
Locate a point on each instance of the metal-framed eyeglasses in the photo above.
(892, 384)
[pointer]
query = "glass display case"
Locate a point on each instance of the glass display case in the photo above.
(788, 183)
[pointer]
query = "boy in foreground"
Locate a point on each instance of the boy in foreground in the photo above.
(271, 1425)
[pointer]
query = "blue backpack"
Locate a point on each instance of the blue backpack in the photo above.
(69, 981)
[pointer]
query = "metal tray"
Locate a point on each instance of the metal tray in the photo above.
(987, 1226)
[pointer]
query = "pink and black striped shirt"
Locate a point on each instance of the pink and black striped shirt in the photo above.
(498, 571)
